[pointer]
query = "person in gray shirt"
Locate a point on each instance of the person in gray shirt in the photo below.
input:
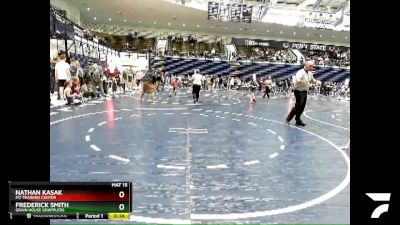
(302, 80)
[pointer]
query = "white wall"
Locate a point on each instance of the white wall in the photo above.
(229, 50)
(53, 48)
(112, 57)
(161, 44)
(134, 60)
(56, 46)
(298, 55)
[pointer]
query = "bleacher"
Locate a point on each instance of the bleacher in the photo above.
(84, 60)
(276, 71)
(246, 70)
(284, 71)
(331, 5)
(243, 52)
(186, 66)
(184, 48)
(290, 2)
(136, 44)
(194, 49)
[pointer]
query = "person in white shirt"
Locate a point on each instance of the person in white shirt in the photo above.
(231, 83)
(254, 84)
(62, 74)
(301, 84)
(197, 78)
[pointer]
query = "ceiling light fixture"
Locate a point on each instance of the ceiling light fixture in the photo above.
(95, 18)
(109, 19)
(88, 9)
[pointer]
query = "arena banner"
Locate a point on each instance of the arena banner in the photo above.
(285, 44)
(62, 28)
(78, 31)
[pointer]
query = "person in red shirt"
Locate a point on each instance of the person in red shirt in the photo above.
(174, 84)
(76, 86)
(116, 72)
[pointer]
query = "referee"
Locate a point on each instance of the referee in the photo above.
(301, 83)
(197, 78)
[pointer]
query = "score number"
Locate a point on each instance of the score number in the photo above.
(121, 194)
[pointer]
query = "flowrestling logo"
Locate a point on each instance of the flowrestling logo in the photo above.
(379, 197)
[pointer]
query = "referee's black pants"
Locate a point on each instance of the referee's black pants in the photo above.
(196, 92)
(297, 110)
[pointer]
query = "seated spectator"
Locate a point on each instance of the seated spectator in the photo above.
(69, 95)
(87, 90)
(76, 86)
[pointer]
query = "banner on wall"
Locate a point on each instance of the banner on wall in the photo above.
(285, 44)
(78, 31)
(62, 28)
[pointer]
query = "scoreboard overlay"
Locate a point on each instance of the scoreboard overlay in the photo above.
(70, 200)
